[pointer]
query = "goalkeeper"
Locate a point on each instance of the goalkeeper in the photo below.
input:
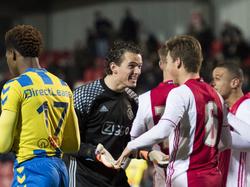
(106, 109)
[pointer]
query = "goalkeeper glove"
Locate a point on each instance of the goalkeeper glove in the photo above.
(155, 156)
(103, 156)
(158, 158)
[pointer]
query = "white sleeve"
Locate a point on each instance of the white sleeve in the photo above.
(239, 126)
(140, 122)
(239, 143)
(240, 137)
(243, 111)
(155, 135)
(174, 111)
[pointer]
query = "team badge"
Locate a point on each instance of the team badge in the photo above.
(130, 113)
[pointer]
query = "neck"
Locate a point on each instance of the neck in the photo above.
(167, 76)
(185, 76)
(28, 62)
(113, 84)
(233, 97)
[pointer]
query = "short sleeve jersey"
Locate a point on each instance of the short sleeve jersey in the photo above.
(44, 104)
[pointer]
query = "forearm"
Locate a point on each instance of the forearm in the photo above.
(71, 136)
(155, 135)
(5, 142)
(7, 125)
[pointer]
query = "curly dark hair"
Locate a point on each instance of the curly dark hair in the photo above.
(187, 48)
(116, 53)
(26, 39)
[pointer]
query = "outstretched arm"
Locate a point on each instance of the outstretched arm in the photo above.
(155, 135)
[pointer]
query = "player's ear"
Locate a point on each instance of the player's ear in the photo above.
(235, 83)
(113, 68)
(160, 64)
(179, 63)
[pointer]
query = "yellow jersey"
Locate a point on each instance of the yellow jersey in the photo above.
(44, 105)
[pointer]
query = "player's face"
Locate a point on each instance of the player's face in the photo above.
(11, 62)
(222, 81)
(128, 71)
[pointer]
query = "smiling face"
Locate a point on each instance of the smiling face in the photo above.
(128, 71)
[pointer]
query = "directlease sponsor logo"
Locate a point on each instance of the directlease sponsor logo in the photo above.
(46, 92)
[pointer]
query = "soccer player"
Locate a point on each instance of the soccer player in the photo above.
(106, 109)
(234, 164)
(150, 110)
(38, 122)
(192, 119)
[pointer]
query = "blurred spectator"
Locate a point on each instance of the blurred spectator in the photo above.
(202, 32)
(79, 58)
(129, 29)
(104, 32)
(152, 45)
(103, 25)
(234, 45)
(90, 43)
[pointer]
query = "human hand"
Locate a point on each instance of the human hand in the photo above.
(125, 154)
(103, 156)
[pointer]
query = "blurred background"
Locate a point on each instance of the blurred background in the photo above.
(77, 35)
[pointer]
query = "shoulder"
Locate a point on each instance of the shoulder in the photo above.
(144, 96)
(245, 105)
(181, 96)
(144, 100)
(85, 95)
(182, 90)
(243, 110)
(131, 94)
(89, 90)
(13, 83)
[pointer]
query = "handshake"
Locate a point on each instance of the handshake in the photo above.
(103, 156)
